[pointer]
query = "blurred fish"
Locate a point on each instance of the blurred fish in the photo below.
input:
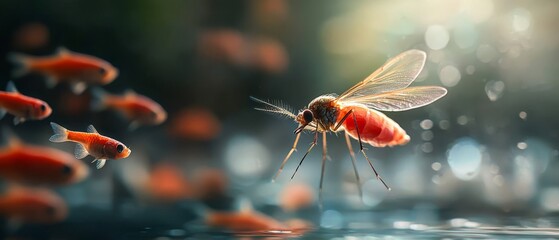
(91, 143)
(167, 183)
(296, 196)
(223, 45)
(79, 70)
(140, 109)
(30, 205)
(39, 165)
(195, 123)
(269, 55)
(21, 106)
(249, 221)
(210, 184)
(31, 36)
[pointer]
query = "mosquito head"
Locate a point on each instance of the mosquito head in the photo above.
(303, 118)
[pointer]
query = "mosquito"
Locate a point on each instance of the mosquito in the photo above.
(357, 111)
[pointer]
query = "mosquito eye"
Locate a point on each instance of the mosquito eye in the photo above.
(43, 107)
(119, 148)
(307, 115)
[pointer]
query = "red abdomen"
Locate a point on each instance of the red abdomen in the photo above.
(375, 128)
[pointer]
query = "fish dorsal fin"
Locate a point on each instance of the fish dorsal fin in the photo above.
(91, 129)
(11, 87)
(62, 51)
(14, 141)
(245, 206)
(130, 93)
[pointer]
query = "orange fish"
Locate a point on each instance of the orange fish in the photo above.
(140, 109)
(249, 221)
(167, 183)
(296, 196)
(91, 143)
(39, 165)
(21, 106)
(79, 70)
(30, 205)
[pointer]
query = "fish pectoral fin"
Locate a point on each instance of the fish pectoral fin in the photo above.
(78, 87)
(80, 151)
(2, 113)
(51, 81)
(100, 163)
(133, 125)
(11, 87)
(18, 120)
(91, 129)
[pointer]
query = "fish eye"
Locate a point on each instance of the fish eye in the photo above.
(66, 170)
(43, 107)
(119, 148)
(102, 71)
(307, 115)
(50, 210)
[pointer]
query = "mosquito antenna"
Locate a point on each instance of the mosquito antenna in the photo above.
(274, 108)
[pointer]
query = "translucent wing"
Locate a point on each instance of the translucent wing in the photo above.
(402, 99)
(397, 73)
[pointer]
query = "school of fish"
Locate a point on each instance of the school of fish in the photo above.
(42, 167)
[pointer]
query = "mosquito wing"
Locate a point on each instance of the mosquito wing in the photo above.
(402, 99)
(397, 73)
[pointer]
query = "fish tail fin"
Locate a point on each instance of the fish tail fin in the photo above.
(60, 133)
(21, 62)
(98, 96)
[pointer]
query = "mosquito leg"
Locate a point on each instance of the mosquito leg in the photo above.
(365, 155)
(324, 154)
(353, 162)
(308, 151)
(342, 121)
(293, 149)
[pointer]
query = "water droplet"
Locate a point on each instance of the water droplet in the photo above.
(494, 89)
(470, 69)
(427, 147)
(521, 19)
(464, 158)
(449, 75)
(462, 120)
(426, 124)
(246, 157)
(436, 37)
(427, 135)
(331, 219)
(372, 194)
(521, 145)
(444, 124)
(436, 179)
(523, 115)
(486, 53)
(465, 33)
(436, 166)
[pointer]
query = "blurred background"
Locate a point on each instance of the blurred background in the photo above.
(485, 154)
